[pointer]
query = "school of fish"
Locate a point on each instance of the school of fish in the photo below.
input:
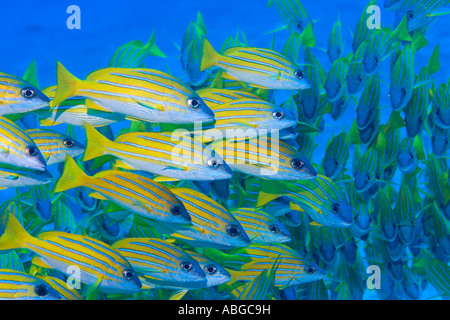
(211, 189)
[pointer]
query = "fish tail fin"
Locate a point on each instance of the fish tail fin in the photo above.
(401, 32)
(72, 176)
(153, 48)
(307, 36)
(96, 143)
(67, 84)
(12, 234)
(209, 55)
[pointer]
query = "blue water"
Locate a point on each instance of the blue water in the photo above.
(36, 30)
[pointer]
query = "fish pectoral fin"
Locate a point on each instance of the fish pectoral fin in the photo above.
(181, 236)
(48, 122)
(226, 75)
(164, 179)
(97, 195)
(313, 223)
(146, 105)
(37, 261)
(90, 292)
(177, 295)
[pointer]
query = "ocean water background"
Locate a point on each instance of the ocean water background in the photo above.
(36, 30)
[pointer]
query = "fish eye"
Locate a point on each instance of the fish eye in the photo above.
(233, 230)
(274, 228)
(41, 290)
(388, 171)
(278, 115)
(376, 60)
(420, 119)
(339, 85)
(409, 14)
(175, 210)
(32, 151)
(210, 269)
(298, 74)
(341, 103)
(297, 164)
(438, 112)
(403, 92)
(193, 103)
(359, 78)
(411, 156)
(186, 266)
(28, 93)
(368, 177)
(299, 25)
(310, 269)
(213, 163)
(128, 274)
(69, 143)
(335, 208)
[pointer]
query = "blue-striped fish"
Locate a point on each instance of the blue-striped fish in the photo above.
(17, 148)
(320, 198)
(17, 285)
(140, 93)
(335, 41)
(416, 109)
(42, 201)
(134, 192)
(441, 106)
(191, 51)
(439, 137)
(245, 264)
(55, 145)
(335, 84)
(215, 273)
(291, 49)
(403, 75)
(336, 155)
(379, 45)
(405, 211)
(74, 111)
(261, 227)
(16, 177)
(61, 287)
(160, 264)
(419, 13)
(439, 186)
(133, 54)
(19, 96)
(170, 155)
(262, 68)
(362, 32)
(368, 105)
(293, 13)
(96, 261)
(264, 157)
(366, 170)
(407, 158)
(309, 99)
(439, 276)
(355, 73)
(212, 224)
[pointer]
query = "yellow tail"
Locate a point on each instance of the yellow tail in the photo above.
(96, 143)
(67, 85)
(72, 177)
(13, 235)
(209, 56)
